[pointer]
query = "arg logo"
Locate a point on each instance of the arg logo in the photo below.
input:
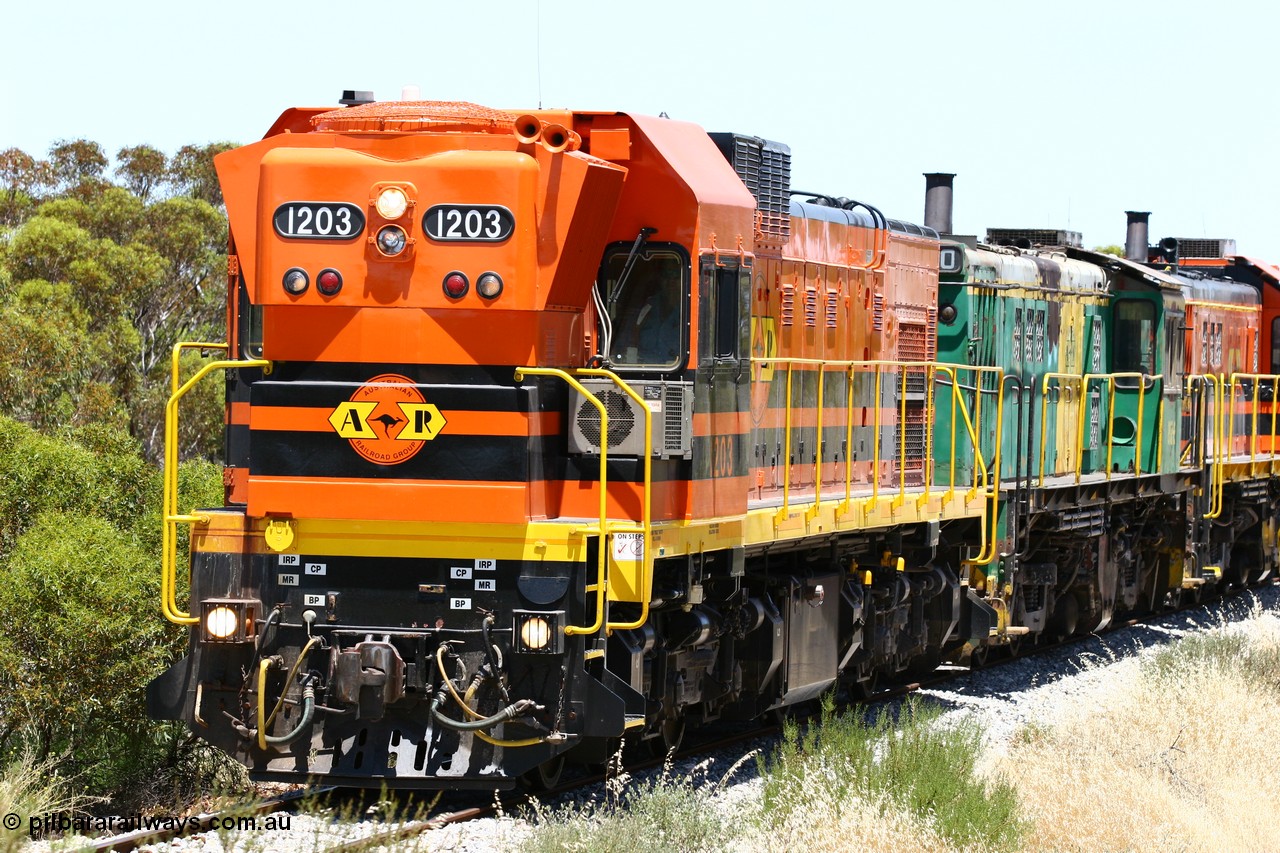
(387, 420)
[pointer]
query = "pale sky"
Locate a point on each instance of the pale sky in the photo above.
(1052, 114)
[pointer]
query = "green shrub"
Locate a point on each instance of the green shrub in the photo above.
(914, 762)
(81, 600)
(46, 474)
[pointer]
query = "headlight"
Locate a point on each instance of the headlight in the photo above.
(228, 620)
(535, 633)
(391, 240)
(392, 203)
(221, 622)
(296, 281)
(489, 285)
(538, 632)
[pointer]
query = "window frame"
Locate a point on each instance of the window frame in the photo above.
(648, 250)
(1150, 367)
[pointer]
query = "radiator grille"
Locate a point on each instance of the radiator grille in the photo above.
(1028, 237)
(1193, 247)
(913, 345)
(673, 420)
(765, 169)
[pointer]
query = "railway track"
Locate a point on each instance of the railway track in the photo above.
(463, 811)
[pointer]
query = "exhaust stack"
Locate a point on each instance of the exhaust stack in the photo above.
(1136, 238)
(937, 201)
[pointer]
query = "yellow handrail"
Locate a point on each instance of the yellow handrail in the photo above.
(875, 445)
(1217, 466)
(783, 511)
(930, 369)
(979, 461)
(171, 518)
(601, 584)
(1257, 379)
(646, 510)
(983, 557)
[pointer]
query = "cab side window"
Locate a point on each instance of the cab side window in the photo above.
(1135, 337)
(646, 307)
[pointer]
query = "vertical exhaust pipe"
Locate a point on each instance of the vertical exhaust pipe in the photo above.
(1136, 238)
(937, 201)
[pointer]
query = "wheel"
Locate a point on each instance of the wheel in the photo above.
(545, 776)
(670, 736)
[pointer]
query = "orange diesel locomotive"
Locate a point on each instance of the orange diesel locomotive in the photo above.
(548, 429)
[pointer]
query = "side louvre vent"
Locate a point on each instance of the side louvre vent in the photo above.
(810, 306)
(765, 168)
(787, 294)
(670, 402)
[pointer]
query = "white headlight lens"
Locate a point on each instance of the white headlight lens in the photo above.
(535, 633)
(295, 281)
(221, 622)
(392, 203)
(489, 285)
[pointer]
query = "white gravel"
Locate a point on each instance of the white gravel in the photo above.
(1003, 699)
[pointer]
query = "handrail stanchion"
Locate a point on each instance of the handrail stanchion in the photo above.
(646, 505)
(169, 498)
(602, 550)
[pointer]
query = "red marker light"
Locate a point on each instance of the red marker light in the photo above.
(329, 282)
(455, 285)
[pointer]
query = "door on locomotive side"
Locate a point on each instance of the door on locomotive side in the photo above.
(1133, 436)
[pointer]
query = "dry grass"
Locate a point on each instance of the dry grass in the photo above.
(33, 788)
(830, 824)
(1178, 757)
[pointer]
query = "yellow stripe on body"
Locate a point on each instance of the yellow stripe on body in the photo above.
(1224, 306)
(566, 541)
(537, 541)
(761, 526)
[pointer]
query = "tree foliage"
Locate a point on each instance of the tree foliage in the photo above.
(79, 538)
(102, 279)
(102, 271)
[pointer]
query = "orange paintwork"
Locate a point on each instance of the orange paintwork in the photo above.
(452, 501)
(856, 287)
(631, 172)
(444, 336)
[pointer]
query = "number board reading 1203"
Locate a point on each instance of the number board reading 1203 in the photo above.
(318, 220)
(472, 223)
